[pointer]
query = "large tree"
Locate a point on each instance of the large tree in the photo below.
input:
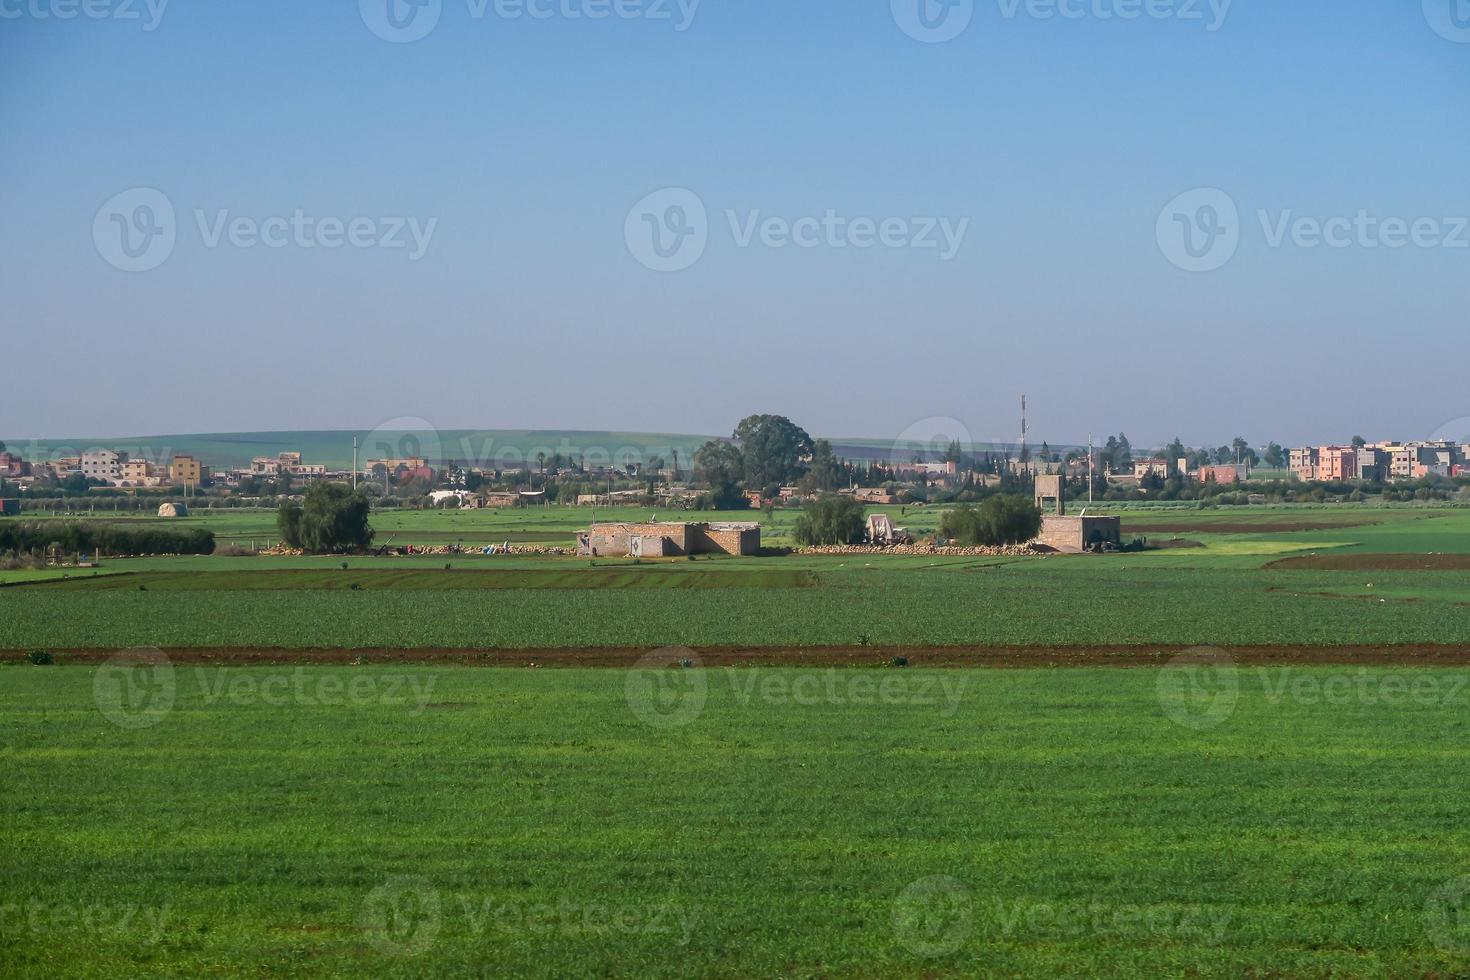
(773, 448)
(333, 518)
(831, 519)
(719, 465)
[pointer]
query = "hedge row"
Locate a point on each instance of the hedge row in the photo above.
(110, 539)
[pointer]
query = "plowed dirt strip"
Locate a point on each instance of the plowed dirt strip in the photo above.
(1413, 655)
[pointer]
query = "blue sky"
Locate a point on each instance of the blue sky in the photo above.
(518, 146)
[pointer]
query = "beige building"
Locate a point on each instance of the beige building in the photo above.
(186, 470)
(668, 540)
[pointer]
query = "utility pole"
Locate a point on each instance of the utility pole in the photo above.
(354, 464)
(1089, 468)
(1023, 433)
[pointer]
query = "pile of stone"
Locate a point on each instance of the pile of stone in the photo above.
(978, 551)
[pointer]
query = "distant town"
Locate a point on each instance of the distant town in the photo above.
(1109, 472)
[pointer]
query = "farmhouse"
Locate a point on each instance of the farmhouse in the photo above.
(1071, 535)
(668, 540)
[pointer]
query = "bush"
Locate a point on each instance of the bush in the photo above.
(40, 658)
(1000, 520)
(330, 520)
(92, 538)
(831, 519)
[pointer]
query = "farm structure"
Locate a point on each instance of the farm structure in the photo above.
(1071, 535)
(668, 540)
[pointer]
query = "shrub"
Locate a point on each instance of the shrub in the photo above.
(92, 538)
(1002, 519)
(831, 519)
(40, 658)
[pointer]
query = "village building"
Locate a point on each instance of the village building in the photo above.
(1072, 535)
(668, 540)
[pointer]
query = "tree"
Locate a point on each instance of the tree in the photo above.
(1001, 519)
(831, 519)
(718, 465)
(773, 448)
(1275, 457)
(333, 518)
(1358, 443)
(825, 472)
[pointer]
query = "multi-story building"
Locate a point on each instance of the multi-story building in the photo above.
(103, 464)
(139, 473)
(186, 470)
(13, 465)
(287, 463)
(1303, 463)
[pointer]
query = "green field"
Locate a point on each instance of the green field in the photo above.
(460, 821)
(1226, 589)
(290, 790)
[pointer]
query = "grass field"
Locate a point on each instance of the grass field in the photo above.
(461, 822)
(336, 808)
(1234, 588)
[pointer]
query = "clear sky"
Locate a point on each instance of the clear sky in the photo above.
(984, 215)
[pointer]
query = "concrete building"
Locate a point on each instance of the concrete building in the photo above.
(668, 540)
(1071, 535)
(103, 464)
(186, 470)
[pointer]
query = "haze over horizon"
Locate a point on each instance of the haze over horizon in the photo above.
(945, 238)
